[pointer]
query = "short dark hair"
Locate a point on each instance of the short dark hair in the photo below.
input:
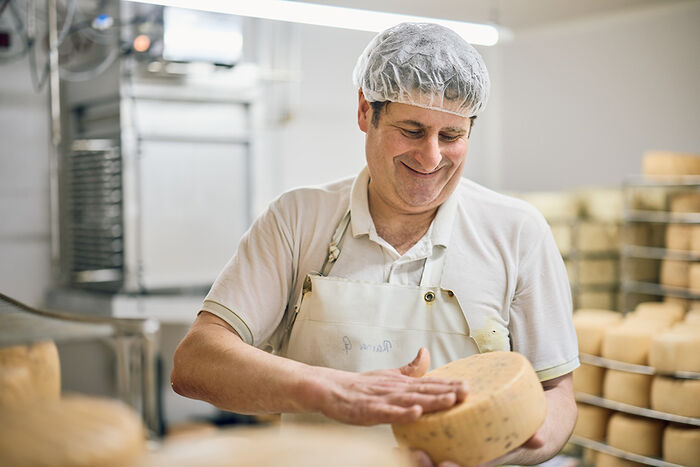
(379, 106)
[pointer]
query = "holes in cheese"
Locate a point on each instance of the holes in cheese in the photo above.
(676, 396)
(681, 445)
(504, 407)
(73, 431)
(635, 434)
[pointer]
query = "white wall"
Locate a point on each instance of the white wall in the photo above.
(25, 262)
(582, 102)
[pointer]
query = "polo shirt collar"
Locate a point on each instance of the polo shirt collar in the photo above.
(361, 220)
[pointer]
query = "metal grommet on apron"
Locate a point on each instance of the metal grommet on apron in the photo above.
(361, 326)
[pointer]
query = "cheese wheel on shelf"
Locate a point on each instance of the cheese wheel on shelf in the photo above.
(635, 434)
(595, 237)
(674, 273)
(73, 431)
(677, 349)
(555, 206)
(591, 325)
(603, 459)
(630, 341)
(695, 238)
(592, 422)
(685, 201)
(589, 379)
(602, 204)
(681, 445)
(599, 271)
(628, 388)
(603, 299)
(678, 236)
(694, 278)
(29, 373)
(692, 316)
(668, 311)
(504, 408)
(669, 163)
(676, 396)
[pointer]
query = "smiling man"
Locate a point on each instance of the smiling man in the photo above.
(339, 296)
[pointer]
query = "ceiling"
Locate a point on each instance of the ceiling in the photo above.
(517, 15)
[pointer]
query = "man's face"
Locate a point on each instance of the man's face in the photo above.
(415, 156)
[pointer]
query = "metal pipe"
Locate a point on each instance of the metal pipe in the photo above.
(54, 155)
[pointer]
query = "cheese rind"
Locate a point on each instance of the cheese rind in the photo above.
(603, 459)
(681, 445)
(628, 388)
(677, 349)
(504, 407)
(591, 325)
(630, 342)
(676, 396)
(589, 379)
(685, 201)
(669, 163)
(635, 434)
(29, 373)
(592, 422)
(674, 273)
(74, 431)
(678, 236)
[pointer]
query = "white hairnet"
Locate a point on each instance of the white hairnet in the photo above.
(426, 65)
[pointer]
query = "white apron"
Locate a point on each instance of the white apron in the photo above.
(361, 326)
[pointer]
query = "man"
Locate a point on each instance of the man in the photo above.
(346, 281)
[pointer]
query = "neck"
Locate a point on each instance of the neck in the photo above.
(401, 230)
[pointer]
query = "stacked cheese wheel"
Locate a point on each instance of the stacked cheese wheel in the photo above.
(659, 334)
(39, 427)
(504, 407)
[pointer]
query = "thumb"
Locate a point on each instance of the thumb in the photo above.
(419, 366)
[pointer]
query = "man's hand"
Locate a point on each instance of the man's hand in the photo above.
(386, 396)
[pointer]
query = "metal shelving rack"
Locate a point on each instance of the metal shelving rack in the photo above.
(135, 343)
(630, 253)
(630, 409)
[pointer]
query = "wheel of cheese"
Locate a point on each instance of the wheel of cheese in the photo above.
(681, 445)
(591, 325)
(635, 434)
(298, 446)
(677, 349)
(668, 311)
(630, 341)
(641, 269)
(74, 431)
(504, 407)
(597, 271)
(686, 201)
(596, 237)
(695, 238)
(28, 373)
(555, 206)
(694, 278)
(676, 396)
(678, 236)
(589, 379)
(628, 388)
(592, 422)
(692, 316)
(603, 459)
(668, 163)
(603, 299)
(674, 273)
(602, 204)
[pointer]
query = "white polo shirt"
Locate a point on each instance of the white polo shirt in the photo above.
(501, 263)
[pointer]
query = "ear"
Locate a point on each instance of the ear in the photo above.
(364, 112)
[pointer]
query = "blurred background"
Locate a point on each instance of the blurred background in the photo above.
(138, 142)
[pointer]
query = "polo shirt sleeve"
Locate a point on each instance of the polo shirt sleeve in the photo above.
(540, 324)
(251, 292)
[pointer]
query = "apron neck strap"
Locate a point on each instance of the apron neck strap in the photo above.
(334, 246)
(434, 265)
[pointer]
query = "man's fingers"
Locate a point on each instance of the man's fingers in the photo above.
(429, 402)
(419, 366)
(421, 459)
(535, 442)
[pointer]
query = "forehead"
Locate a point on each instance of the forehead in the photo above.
(398, 112)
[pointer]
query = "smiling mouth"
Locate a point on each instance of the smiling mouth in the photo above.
(422, 174)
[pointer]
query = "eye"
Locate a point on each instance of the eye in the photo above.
(449, 138)
(411, 133)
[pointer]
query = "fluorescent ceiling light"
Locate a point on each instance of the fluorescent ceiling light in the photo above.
(333, 16)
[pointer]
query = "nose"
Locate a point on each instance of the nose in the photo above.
(429, 156)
